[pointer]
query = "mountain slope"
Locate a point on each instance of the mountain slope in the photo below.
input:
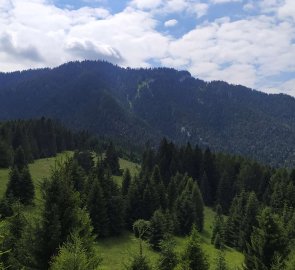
(136, 105)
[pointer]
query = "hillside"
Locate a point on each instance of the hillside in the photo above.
(117, 251)
(136, 105)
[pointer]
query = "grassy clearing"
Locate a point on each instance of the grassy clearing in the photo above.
(126, 164)
(117, 251)
(40, 169)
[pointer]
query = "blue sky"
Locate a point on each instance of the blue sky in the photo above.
(239, 41)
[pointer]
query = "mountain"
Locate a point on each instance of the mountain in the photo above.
(136, 105)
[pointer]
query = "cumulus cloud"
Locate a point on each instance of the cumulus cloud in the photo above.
(171, 23)
(12, 51)
(87, 49)
(245, 51)
(250, 50)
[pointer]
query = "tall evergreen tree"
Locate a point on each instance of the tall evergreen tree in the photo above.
(61, 217)
(168, 258)
(112, 160)
(267, 241)
(193, 257)
(218, 228)
(126, 182)
(96, 206)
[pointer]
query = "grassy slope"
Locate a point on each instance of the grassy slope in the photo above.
(116, 251)
(40, 169)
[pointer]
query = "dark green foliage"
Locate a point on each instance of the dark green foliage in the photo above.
(126, 182)
(85, 160)
(112, 160)
(193, 257)
(218, 229)
(249, 220)
(6, 208)
(27, 187)
(6, 157)
(189, 208)
(139, 262)
(92, 95)
(20, 161)
(159, 227)
(20, 186)
(234, 221)
(22, 141)
(268, 240)
(220, 263)
(168, 258)
(96, 206)
(62, 215)
(282, 190)
(73, 255)
(206, 189)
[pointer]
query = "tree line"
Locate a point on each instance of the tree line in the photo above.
(81, 203)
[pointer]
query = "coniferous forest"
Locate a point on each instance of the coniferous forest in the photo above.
(87, 198)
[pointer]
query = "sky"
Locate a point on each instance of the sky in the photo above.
(248, 42)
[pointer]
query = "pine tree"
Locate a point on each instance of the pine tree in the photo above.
(249, 220)
(189, 208)
(96, 206)
(220, 263)
(26, 186)
(206, 190)
(126, 182)
(267, 241)
(218, 229)
(61, 217)
(112, 160)
(5, 155)
(193, 257)
(234, 221)
(168, 258)
(20, 160)
(73, 255)
(159, 228)
(14, 184)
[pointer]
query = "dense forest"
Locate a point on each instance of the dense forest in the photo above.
(83, 204)
(133, 106)
(38, 139)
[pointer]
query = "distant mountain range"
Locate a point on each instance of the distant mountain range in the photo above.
(137, 105)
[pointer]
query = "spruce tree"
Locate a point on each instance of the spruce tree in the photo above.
(126, 182)
(73, 255)
(220, 263)
(61, 217)
(159, 228)
(193, 257)
(26, 186)
(96, 206)
(217, 237)
(168, 258)
(112, 160)
(267, 241)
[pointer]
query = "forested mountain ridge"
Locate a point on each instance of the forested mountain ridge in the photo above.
(136, 105)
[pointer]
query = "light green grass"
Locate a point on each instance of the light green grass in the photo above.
(39, 170)
(117, 251)
(126, 164)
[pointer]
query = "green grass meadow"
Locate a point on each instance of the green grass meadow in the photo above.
(116, 252)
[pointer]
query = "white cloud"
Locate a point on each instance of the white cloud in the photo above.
(245, 51)
(287, 10)
(224, 1)
(171, 23)
(249, 51)
(146, 4)
(289, 87)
